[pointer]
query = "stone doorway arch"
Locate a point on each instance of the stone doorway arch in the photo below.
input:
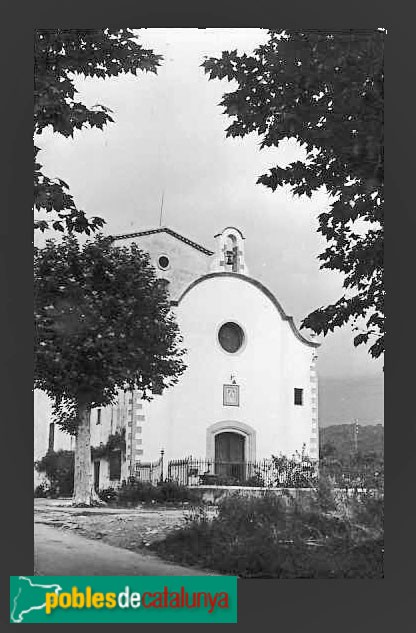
(232, 427)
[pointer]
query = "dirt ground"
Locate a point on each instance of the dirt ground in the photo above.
(133, 528)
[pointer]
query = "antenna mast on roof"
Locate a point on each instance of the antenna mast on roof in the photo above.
(161, 209)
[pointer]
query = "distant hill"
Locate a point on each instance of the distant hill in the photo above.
(370, 438)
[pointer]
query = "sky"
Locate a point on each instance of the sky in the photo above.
(169, 139)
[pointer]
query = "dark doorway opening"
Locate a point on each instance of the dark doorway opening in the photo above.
(96, 475)
(230, 455)
(115, 465)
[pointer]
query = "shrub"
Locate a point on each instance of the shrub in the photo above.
(196, 514)
(59, 469)
(368, 510)
(170, 491)
(247, 512)
(109, 495)
(325, 495)
(268, 537)
(134, 492)
(41, 491)
(298, 471)
(254, 481)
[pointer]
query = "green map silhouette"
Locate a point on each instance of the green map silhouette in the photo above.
(30, 596)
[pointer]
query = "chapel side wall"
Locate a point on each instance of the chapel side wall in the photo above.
(156, 426)
(267, 370)
(298, 359)
(186, 262)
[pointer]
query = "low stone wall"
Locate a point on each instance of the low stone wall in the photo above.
(215, 494)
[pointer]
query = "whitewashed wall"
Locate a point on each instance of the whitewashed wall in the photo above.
(271, 364)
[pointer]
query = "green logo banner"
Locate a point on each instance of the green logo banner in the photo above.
(56, 599)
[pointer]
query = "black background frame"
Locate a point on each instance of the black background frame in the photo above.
(322, 605)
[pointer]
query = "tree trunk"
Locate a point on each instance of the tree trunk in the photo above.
(84, 493)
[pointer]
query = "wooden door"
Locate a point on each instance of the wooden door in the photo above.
(229, 454)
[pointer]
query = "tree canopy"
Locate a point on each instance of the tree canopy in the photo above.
(326, 90)
(60, 56)
(102, 322)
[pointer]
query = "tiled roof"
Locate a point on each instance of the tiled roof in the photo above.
(170, 232)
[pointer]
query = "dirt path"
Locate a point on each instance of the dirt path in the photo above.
(60, 553)
(95, 541)
(133, 529)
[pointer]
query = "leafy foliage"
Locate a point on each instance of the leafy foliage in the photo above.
(326, 90)
(347, 463)
(362, 470)
(61, 55)
(41, 491)
(59, 469)
(116, 441)
(102, 323)
(268, 537)
(134, 492)
(298, 471)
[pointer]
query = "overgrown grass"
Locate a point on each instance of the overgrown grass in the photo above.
(267, 537)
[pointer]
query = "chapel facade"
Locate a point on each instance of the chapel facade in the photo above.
(250, 389)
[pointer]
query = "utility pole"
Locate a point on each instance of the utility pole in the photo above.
(356, 436)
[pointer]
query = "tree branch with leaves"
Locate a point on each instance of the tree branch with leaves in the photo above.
(103, 323)
(326, 90)
(61, 55)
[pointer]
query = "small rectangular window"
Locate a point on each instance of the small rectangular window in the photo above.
(98, 416)
(298, 396)
(139, 429)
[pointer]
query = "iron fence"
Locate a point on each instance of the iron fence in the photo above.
(264, 473)
(151, 472)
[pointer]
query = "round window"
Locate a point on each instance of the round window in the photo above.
(231, 337)
(163, 262)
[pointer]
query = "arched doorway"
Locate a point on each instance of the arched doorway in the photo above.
(230, 455)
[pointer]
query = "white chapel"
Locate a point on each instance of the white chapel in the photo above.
(250, 389)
